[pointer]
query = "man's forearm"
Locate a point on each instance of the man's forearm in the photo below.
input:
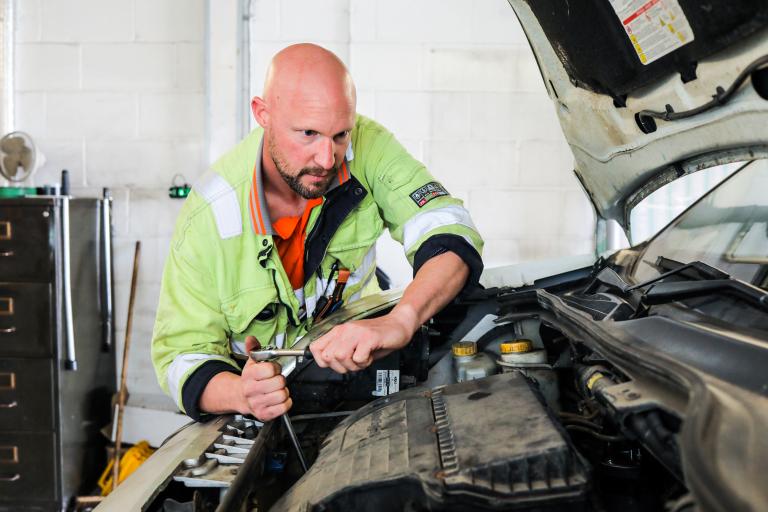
(354, 345)
(436, 284)
(222, 395)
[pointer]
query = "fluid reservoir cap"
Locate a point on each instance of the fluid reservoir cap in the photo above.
(464, 348)
(516, 347)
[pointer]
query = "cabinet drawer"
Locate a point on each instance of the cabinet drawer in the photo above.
(26, 394)
(26, 251)
(25, 319)
(27, 469)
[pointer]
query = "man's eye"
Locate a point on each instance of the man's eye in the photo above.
(310, 133)
(342, 135)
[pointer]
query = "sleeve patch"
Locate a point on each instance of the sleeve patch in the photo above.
(428, 192)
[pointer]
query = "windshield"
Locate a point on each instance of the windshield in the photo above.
(727, 228)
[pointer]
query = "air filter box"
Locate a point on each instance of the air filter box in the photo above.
(486, 444)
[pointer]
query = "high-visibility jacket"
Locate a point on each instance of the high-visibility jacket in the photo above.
(223, 279)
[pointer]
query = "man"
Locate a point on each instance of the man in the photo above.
(291, 212)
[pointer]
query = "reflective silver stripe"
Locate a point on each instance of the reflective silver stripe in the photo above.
(178, 369)
(369, 261)
(279, 339)
(224, 204)
(299, 293)
(355, 296)
(311, 305)
(350, 155)
(427, 221)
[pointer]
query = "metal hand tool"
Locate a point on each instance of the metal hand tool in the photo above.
(295, 441)
(267, 354)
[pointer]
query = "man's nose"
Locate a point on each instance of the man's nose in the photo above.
(324, 156)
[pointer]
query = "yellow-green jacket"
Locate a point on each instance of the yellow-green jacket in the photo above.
(223, 280)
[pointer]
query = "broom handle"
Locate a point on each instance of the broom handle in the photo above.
(126, 346)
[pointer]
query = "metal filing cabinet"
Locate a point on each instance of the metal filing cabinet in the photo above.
(57, 362)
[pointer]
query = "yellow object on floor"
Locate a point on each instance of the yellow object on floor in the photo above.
(131, 459)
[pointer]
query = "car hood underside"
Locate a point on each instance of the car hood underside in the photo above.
(641, 89)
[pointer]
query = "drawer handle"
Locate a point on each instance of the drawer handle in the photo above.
(6, 306)
(9, 454)
(7, 381)
(7, 254)
(9, 330)
(9, 405)
(5, 230)
(10, 478)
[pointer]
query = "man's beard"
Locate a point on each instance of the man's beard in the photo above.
(294, 181)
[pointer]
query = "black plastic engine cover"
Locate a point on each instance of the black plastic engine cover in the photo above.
(486, 444)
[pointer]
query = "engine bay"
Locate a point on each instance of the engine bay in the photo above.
(492, 406)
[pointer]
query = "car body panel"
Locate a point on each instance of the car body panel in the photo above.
(613, 158)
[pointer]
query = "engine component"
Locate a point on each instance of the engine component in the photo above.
(521, 356)
(468, 364)
(593, 379)
(316, 389)
(521, 352)
(482, 444)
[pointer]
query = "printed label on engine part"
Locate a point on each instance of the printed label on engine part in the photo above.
(387, 382)
(394, 381)
(655, 27)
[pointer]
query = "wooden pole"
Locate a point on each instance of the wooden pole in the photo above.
(124, 368)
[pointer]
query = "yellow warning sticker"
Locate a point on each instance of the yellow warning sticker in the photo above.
(654, 27)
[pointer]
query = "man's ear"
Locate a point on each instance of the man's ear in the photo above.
(260, 111)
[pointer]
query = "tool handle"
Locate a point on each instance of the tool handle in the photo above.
(273, 353)
(64, 182)
(70, 363)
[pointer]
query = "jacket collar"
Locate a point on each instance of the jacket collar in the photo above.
(257, 203)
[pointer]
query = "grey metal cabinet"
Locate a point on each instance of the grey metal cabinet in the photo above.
(57, 357)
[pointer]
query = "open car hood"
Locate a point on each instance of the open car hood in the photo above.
(606, 62)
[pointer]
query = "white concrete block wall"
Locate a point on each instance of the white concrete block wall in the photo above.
(114, 91)
(458, 85)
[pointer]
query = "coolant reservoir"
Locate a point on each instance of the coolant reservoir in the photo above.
(468, 364)
(521, 356)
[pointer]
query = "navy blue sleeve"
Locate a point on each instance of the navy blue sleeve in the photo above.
(195, 385)
(439, 244)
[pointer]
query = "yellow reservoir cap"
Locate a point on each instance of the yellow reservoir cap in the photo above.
(516, 347)
(464, 348)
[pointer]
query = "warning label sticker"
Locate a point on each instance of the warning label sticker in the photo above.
(654, 27)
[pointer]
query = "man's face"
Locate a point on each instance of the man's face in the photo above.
(307, 139)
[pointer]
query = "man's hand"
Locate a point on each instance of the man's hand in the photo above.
(262, 387)
(354, 345)
(259, 390)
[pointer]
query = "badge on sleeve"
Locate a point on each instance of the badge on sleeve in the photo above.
(428, 192)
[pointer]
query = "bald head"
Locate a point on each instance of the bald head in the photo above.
(308, 112)
(305, 69)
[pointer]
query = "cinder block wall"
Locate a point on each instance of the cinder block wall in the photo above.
(115, 91)
(457, 83)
